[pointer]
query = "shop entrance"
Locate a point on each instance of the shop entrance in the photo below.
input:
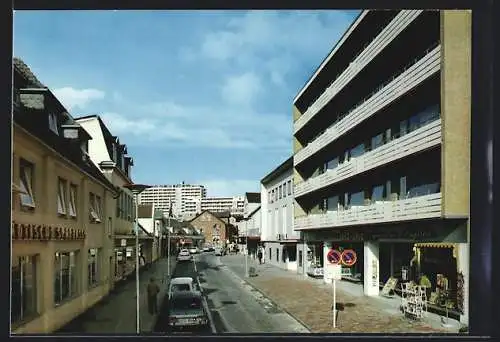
(393, 256)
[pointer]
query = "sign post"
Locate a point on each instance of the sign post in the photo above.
(334, 272)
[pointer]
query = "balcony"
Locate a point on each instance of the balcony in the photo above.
(419, 140)
(409, 79)
(422, 207)
(388, 34)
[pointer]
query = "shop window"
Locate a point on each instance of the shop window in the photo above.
(292, 253)
(300, 259)
(26, 173)
(61, 197)
(270, 253)
(93, 265)
(277, 254)
(72, 200)
(24, 288)
(65, 276)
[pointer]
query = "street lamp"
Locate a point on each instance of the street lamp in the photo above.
(136, 190)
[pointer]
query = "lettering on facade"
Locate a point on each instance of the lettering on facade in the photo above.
(42, 232)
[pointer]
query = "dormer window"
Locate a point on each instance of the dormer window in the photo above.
(53, 123)
(114, 153)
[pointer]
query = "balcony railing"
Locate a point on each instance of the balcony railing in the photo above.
(419, 140)
(388, 34)
(423, 207)
(412, 77)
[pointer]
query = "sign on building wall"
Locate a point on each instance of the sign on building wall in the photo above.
(26, 231)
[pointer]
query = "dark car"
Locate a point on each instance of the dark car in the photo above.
(186, 311)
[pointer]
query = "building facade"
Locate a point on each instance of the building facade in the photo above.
(106, 151)
(182, 198)
(382, 152)
(277, 233)
(212, 228)
(235, 205)
(61, 239)
(247, 238)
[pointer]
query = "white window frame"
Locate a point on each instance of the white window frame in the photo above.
(72, 200)
(26, 184)
(98, 206)
(61, 196)
(94, 217)
(53, 123)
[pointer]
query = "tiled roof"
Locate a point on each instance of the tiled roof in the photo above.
(253, 197)
(36, 124)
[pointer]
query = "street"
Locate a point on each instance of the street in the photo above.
(235, 307)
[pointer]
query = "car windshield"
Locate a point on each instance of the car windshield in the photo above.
(181, 287)
(186, 303)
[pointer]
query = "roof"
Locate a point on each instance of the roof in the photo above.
(186, 294)
(253, 197)
(181, 280)
(222, 214)
(253, 212)
(32, 122)
(211, 213)
(145, 211)
(282, 168)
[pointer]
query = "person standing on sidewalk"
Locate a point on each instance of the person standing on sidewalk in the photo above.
(259, 255)
(153, 290)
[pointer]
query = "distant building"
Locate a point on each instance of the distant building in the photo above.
(277, 230)
(211, 227)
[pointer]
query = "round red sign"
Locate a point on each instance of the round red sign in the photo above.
(348, 257)
(334, 256)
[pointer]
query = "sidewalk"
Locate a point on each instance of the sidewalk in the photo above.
(116, 313)
(309, 300)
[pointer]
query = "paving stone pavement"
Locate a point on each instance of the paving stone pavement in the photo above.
(310, 301)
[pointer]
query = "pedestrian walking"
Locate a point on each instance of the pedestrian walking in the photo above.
(259, 255)
(153, 290)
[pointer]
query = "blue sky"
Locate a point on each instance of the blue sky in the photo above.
(197, 96)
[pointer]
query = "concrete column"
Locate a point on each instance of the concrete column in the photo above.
(392, 259)
(462, 255)
(371, 268)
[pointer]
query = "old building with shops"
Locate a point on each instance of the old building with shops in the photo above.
(61, 238)
(382, 151)
(106, 151)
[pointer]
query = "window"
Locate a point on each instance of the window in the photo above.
(289, 187)
(94, 211)
(332, 203)
(279, 192)
(332, 164)
(357, 151)
(65, 276)
(23, 295)
(93, 266)
(377, 141)
(53, 123)
(61, 197)
(357, 198)
(284, 190)
(277, 254)
(378, 193)
(270, 253)
(72, 200)
(300, 259)
(26, 171)
(270, 198)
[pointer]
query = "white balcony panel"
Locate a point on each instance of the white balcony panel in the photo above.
(409, 79)
(422, 207)
(419, 140)
(388, 34)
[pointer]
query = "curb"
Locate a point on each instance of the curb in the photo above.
(271, 300)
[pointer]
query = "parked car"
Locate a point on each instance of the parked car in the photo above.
(182, 284)
(194, 250)
(219, 251)
(186, 310)
(184, 255)
(206, 248)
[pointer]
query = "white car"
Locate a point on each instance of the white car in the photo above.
(184, 255)
(182, 284)
(194, 250)
(218, 251)
(206, 249)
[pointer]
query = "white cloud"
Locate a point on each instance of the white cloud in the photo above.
(236, 187)
(241, 89)
(73, 98)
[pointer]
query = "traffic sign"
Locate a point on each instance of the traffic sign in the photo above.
(348, 257)
(333, 272)
(334, 257)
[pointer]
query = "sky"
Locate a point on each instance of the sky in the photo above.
(203, 97)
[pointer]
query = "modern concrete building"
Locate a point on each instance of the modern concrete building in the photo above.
(251, 206)
(180, 197)
(61, 238)
(277, 231)
(382, 151)
(235, 204)
(106, 151)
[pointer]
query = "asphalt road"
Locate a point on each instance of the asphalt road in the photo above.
(235, 306)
